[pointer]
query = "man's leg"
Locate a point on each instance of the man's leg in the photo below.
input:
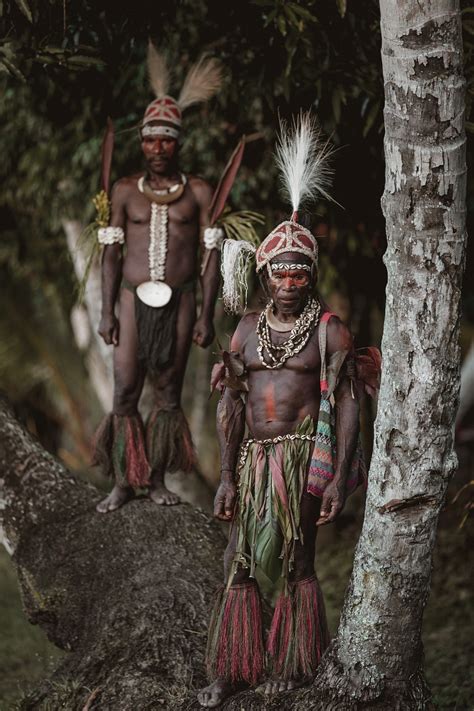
(168, 438)
(311, 637)
(223, 687)
(128, 384)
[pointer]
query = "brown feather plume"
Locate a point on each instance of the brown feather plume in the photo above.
(158, 72)
(204, 79)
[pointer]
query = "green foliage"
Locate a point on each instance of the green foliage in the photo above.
(65, 67)
(25, 653)
(241, 225)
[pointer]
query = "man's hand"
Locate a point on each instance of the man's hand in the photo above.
(109, 329)
(332, 502)
(224, 501)
(203, 333)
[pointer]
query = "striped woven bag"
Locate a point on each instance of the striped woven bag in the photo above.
(321, 470)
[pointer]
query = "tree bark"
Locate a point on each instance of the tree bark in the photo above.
(126, 595)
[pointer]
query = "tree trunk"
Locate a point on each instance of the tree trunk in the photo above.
(377, 657)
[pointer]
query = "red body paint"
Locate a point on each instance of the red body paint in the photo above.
(269, 398)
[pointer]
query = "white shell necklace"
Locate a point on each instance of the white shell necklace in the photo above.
(156, 292)
(274, 355)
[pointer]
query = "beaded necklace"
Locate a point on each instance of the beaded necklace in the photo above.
(274, 355)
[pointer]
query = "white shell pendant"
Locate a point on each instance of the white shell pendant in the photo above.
(154, 293)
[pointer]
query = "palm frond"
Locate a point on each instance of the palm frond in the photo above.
(241, 225)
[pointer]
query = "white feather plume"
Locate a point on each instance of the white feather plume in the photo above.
(302, 158)
(236, 257)
(158, 72)
(203, 80)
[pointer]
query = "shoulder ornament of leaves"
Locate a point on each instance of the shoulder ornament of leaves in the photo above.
(238, 251)
(230, 372)
(88, 244)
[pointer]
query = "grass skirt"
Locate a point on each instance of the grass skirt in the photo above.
(271, 481)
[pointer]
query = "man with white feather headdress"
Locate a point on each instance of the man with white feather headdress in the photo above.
(149, 270)
(292, 380)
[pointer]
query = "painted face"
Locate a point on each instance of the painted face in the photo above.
(289, 285)
(160, 152)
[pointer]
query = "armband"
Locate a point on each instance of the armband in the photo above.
(213, 237)
(111, 235)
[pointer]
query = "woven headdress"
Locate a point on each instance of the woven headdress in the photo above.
(302, 159)
(203, 80)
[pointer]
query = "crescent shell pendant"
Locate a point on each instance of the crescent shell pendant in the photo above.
(154, 293)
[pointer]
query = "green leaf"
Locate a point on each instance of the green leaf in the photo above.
(342, 7)
(470, 126)
(270, 17)
(12, 69)
(302, 12)
(293, 18)
(24, 7)
(84, 61)
(281, 22)
(371, 116)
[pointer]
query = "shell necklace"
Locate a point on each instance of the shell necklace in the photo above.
(156, 292)
(274, 355)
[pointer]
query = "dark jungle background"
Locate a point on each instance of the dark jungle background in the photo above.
(65, 66)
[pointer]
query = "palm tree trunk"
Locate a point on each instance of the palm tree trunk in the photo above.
(378, 655)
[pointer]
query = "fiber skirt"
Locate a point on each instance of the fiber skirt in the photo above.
(272, 478)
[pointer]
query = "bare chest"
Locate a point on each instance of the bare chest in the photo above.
(182, 214)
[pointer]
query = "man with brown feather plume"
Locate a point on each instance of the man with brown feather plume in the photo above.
(149, 274)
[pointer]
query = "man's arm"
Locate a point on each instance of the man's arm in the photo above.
(347, 424)
(230, 431)
(204, 330)
(112, 269)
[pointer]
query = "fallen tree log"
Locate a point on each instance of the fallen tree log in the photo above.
(127, 595)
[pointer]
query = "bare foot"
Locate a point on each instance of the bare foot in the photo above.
(277, 686)
(217, 692)
(117, 498)
(163, 496)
